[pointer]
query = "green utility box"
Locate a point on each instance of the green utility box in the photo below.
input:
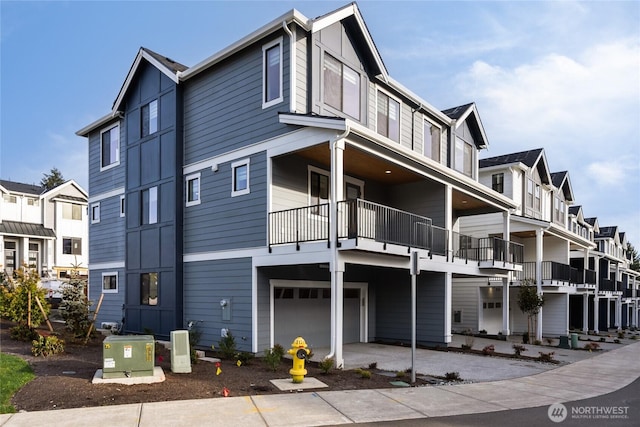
(127, 356)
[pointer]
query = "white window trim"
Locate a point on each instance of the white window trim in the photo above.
(433, 124)
(95, 220)
(117, 160)
(378, 90)
(233, 178)
(187, 179)
(123, 206)
(279, 99)
(109, 291)
(347, 180)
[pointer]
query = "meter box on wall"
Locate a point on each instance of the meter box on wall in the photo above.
(128, 356)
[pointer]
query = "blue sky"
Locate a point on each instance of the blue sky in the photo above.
(560, 75)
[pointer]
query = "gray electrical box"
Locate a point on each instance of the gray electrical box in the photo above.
(128, 356)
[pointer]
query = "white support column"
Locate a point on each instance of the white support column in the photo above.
(618, 313)
(539, 235)
(506, 233)
(447, 307)
(608, 313)
(448, 218)
(596, 299)
(585, 313)
(337, 267)
(339, 299)
(24, 254)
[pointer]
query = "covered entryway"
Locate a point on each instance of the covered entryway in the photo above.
(303, 308)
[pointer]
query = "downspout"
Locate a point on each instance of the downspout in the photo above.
(333, 238)
(292, 69)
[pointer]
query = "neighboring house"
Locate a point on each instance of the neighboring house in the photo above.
(279, 187)
(44, 230)
(541, 223)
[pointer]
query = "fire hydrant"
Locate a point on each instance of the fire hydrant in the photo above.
(299, 351)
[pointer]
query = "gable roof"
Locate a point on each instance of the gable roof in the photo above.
(19, 187)
(575, 210)
(561, 181)
(469, 113)
(529, 158)
(608, 232)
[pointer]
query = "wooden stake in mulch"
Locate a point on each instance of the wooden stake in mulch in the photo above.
(44, 314)
(29, 308)
(95, 316)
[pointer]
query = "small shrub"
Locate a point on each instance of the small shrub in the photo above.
(489, 350)
(518, 349)
(616, 341)
(245, 357)
(227, 346)
(364, 373)
(634, 337)
(483, 332)
(23, 333)
(278, 349)
(46, 346)
(602, 339)
(326, 365)
(310, 355)
(401, 374)
(621, 334)
(525, 338)
(591, 346)
(272, 358)
(537, 342)
(548, 341)
(452, 376)
(468, 342)
(546, 357)
(373, 365)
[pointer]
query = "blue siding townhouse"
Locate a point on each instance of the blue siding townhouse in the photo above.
(279, 187)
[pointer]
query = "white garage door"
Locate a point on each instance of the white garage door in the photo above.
(306, 312)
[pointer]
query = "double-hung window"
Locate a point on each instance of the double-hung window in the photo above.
(149, 118)
(272, 73)
(71, 211)
(240, 178)
(388, 117)
(149, 209)
(193, 189)
(110, 147)
(71, 246)
(463, 157)
(341, 87)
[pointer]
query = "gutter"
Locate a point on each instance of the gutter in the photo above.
(292, 68)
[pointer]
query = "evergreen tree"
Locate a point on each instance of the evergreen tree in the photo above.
(52, 180)
(632, 253)
(75, 305)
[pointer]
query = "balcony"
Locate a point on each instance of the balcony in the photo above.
(607, 285)
(552, 273)
(628, 293)
(361, 220)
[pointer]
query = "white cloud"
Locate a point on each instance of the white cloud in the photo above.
(610, 173)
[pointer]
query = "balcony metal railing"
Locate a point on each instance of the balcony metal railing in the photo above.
(486, 249)
(628, 293)
(607, 285)
(589, 277)
(307, 224)
(551, 270)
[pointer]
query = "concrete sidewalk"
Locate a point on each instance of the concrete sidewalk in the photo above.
(583, 379)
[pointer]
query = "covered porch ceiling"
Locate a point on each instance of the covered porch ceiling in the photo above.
(363, 165)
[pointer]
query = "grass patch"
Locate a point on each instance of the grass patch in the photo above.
(14, 373)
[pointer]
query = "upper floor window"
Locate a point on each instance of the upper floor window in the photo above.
(95, 213)
(110, 147)
(149, 118)
(240, 184)
(272, 73)
(497, 182)
(431, 141)
(33, 202)
(193, 189)
(341, 87)
(537, 197)
(388, 117)
(71, 211)
(149, 209)
(463, 159)
(9, 198)
(71, 246)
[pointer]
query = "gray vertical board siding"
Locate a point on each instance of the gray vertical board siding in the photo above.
(393, 307)
(106, 238)
(289, 182)
(208, 282)
(221, 222)
(424, 198)
(301, 73)
(104, 181)
(111, 308)
(223, 107)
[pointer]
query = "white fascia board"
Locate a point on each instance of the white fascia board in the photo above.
(499, 199)
(310, 121)
(418, 100)
(332, 17)
(565, 234)
(275, 25)
(96, 124)
(108, 194)
(167, 72)
(60, 187)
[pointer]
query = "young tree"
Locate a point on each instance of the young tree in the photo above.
(52, 180)
(635, 258)
(75, 305)
(529, 303)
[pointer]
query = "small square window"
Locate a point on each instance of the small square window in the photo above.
(240, 184)
(193, 189)
(110, 282)
(95, 213)
(149, 118)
